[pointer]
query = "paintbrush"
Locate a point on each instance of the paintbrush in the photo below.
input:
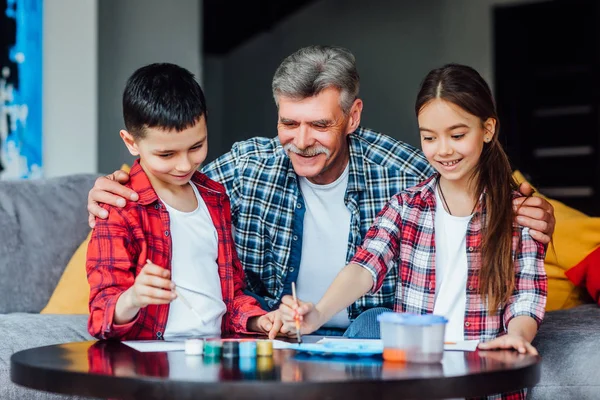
(188, 305)
(184, 300)
(297, 317)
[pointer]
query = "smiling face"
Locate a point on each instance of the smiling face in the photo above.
(313, 133)
(452, 139)
(169, 158)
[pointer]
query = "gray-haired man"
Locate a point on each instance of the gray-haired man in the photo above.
(302, 202)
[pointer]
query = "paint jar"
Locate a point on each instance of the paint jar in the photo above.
(248, 349)
(231, 349)
(194, 347)
(212, 348)
(412, 338)
(264, 348)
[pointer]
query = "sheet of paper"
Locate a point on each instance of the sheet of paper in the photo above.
(179, 345)
(280, 344)
(336, 340)
(145, 346)
(463, 345)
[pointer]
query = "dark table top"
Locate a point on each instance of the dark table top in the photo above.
(112, 369)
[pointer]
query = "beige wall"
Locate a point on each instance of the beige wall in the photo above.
(133, 33)
(70, 93)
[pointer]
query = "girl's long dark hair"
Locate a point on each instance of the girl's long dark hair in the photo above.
(464, 87)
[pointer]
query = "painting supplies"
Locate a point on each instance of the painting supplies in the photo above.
(412, 338)
(248, 349)
(188, 305)
(264, 348)
(231, 349)
(298, 336)
(184, 300)
(194, 347)
(212, 348)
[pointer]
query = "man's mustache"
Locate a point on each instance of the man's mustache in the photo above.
(309, 151)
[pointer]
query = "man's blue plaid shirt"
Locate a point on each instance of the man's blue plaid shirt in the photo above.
(268, 209)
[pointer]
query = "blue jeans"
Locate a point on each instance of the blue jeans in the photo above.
(329, 332)
(366, 326)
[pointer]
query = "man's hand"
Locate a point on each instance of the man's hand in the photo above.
(535, 213)
(108, 189)
(510, 341)
(307, 314)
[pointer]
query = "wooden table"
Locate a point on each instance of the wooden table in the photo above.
(112, 369)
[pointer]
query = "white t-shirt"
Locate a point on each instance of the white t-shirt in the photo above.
(194, 270)
(451, 269)
(324, 241)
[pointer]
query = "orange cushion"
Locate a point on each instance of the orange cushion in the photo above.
(575, 236)
(72, 293)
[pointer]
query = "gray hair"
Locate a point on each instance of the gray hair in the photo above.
(310, 70)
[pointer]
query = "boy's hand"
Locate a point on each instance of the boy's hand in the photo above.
(269, 324)
(108, 189)
(308, 315)
(510, 341)
(153, 285)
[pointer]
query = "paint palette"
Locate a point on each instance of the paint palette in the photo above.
(340, 348)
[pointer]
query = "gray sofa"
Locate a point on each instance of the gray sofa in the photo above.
(41, 225)
(43, 222)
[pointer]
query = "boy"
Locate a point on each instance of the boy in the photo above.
(178, 233)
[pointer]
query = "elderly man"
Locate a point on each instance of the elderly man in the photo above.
(302, 202)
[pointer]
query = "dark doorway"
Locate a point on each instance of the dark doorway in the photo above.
(547, 85)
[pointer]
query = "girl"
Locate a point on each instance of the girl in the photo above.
(453, 238)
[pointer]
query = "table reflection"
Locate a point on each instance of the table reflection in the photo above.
(116, 359)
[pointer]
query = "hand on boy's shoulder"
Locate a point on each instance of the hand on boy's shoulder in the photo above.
(111, 190)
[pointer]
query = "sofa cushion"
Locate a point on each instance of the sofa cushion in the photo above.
(43, 222)
(72, 292)
(575, 236)
(569, 343)
(21, 331)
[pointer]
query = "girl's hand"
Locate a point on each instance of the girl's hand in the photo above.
(510, 341)
(306, 313)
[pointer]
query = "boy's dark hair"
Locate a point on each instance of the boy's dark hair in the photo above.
(164, 96)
